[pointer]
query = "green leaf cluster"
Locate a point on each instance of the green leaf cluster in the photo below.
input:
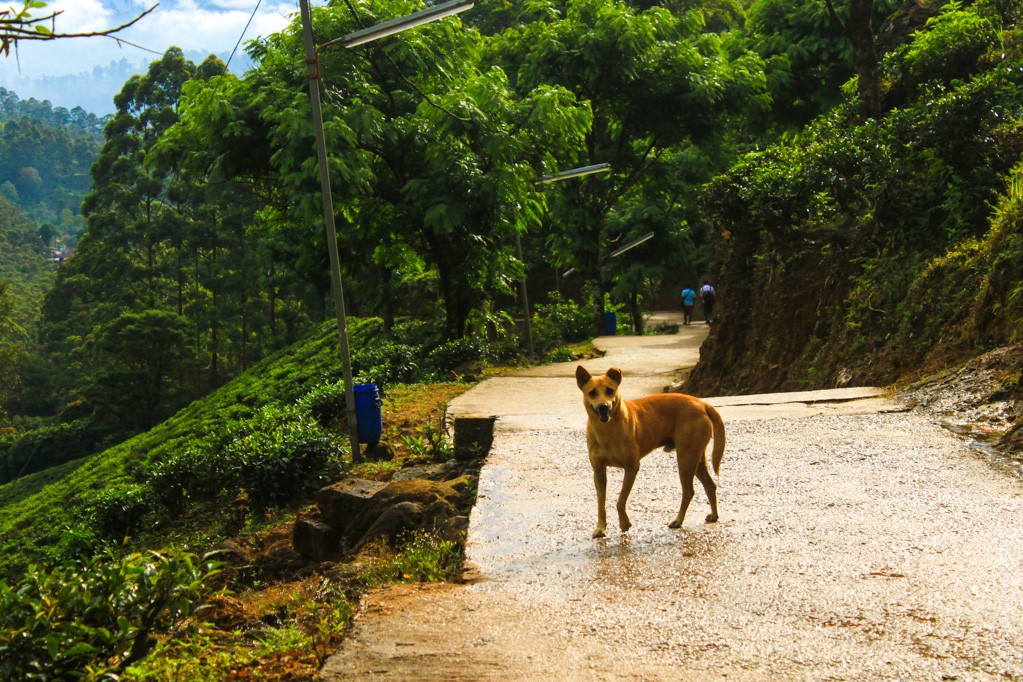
(88, 620)
(888, 242)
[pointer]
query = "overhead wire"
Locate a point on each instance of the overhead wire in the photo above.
(244, 30)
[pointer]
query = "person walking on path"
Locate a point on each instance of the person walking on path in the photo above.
(688, 302)
(709, 297)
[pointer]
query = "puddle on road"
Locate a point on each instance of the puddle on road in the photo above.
(646, 561)
(982, 440)
(622, 563)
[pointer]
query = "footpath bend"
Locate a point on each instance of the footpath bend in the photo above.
(857, 541)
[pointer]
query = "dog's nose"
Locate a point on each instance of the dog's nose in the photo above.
(604, 412)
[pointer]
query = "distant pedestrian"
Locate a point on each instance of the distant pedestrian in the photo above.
(688, 302)
(709, 297)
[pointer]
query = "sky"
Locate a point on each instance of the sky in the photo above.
(68, 72)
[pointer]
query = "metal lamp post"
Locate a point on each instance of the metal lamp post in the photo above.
(313, 74)
(545, 179)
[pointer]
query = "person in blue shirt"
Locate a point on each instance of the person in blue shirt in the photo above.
(688, 301)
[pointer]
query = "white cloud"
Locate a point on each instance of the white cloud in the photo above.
(209, 27)
(79, 16)
(201, 28)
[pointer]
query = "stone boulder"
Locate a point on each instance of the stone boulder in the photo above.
(345, 500)
(355, 511)
(421, 504)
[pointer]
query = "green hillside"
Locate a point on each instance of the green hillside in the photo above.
(848, 173)
(159, 484)
(870, 250)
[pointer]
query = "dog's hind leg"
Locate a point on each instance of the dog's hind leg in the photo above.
(600, 482)
(710, 487)
(686, 471)
(623, 497)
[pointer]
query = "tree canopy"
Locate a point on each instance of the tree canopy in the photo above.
(726, 126)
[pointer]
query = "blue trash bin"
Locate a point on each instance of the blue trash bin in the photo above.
(368, 413)
(610, 324)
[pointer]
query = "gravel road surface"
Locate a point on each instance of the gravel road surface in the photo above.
(857, 541)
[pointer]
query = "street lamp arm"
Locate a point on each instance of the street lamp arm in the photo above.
(424, 16)
(574, 173)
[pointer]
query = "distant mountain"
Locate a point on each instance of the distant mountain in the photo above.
(88, 72)
(94, 91)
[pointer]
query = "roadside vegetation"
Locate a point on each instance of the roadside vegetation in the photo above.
(887, 248)
(138, 525)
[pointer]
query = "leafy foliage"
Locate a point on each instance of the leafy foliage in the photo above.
(560, 321)
(90, 619)
(274, 457)
(874, 238)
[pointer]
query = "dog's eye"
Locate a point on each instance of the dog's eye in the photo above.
(609, 391)
(593, 393)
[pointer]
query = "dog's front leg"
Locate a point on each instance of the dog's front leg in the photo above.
(623, 497)
(600, 481)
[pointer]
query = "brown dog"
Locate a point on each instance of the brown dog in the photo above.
(621, 432)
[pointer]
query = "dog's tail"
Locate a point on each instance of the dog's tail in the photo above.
(719, 436)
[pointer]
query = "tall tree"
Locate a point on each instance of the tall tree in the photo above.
(135, 376)
(654, 81)
(432, 158)
(8, 351)
(126, 258)
(860, 31)
(812, 49)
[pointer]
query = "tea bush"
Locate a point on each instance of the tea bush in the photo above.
(282, 456)
(459, 354)
(88, 620)
(120, 511)
(326, 403)
(276, 456)
(384, 362)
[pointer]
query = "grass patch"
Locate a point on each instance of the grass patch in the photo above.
(286, 631)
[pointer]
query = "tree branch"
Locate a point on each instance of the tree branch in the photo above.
(834, 16)
(21, 26)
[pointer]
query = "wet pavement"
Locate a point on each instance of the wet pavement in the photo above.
(857, 541)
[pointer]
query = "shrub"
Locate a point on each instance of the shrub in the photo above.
(198, 473)
(560, 321)
(48, 446)
(459, 354)
(325, 403)
(384, 362)
(277, 455)
(86, 620)
(417, 332)
(277, 462)
(119, 511)
(76, 540)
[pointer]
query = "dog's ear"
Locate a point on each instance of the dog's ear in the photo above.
(582, 377)
(615, 375)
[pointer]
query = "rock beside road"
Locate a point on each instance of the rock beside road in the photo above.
(354, 512)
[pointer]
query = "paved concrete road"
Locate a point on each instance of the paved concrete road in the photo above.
(857, 541)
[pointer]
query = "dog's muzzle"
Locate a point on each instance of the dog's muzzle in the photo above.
(603, 411)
